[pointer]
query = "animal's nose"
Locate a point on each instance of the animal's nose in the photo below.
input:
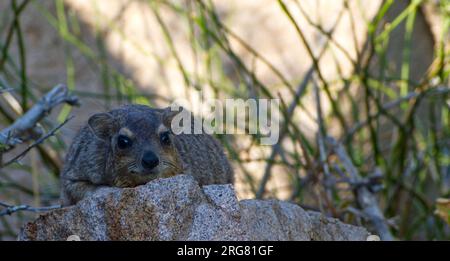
(150, 160)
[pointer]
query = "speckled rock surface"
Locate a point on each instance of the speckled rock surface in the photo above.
(178, 209)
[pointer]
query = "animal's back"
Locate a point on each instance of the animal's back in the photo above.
(204, 159)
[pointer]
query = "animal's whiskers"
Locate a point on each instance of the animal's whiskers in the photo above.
(171, 165)
(132, 167)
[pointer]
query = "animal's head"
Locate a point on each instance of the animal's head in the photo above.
(141, 142)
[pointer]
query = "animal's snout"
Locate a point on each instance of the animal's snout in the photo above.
(150, 160)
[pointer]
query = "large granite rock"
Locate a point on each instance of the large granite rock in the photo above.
(178, 209)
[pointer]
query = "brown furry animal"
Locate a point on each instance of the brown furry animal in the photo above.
(134, 144)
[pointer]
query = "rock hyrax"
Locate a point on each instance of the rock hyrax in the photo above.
(134, 144)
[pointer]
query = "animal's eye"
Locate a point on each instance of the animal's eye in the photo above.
(124, 142)
(164, 138)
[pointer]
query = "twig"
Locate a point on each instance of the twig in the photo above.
(365, 198)
(37, 142)
(321, 131)
(59, 94)
(9, 209)
(321, 134)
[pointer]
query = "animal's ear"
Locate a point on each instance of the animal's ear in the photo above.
(103, 125)
(168, 114)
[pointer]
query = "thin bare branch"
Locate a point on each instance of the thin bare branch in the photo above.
(366, 200)
(59, 94)
(9, 209)
(37, 142)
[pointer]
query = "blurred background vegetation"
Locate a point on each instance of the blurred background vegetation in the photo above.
(371, 74)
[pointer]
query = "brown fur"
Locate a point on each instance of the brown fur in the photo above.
(94, 159)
